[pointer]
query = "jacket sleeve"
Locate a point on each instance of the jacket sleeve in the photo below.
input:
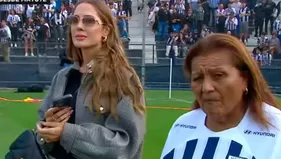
(45, 105)
(47, 102)
(117, 139)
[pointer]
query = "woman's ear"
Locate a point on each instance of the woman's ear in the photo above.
(106, 30)
(245, 76)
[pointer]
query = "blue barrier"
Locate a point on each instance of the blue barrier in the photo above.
(156, 76)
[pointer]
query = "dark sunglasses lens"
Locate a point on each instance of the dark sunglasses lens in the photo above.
(89, 20)
(72, 20)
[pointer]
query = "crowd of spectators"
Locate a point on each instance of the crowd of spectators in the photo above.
(180, 23)
(39, 24)
(122, 11)
(266, 48)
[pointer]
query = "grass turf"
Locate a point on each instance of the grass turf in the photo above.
(15, 117)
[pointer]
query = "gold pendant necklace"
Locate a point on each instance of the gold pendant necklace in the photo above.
(88, 68)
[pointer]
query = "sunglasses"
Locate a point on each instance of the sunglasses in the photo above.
(87, 20)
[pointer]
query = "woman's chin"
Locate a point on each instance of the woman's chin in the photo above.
(212, 111)
(81, 44)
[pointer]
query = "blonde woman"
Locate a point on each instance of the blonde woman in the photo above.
(107, 117)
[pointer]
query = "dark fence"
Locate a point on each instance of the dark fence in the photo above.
(155, 53)
(156, 76)
(52, 49)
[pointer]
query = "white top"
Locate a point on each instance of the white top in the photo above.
(237, 6)
(234, 21)
(48, 6)
(29, 11)
(7, 29)
(114, 12)
(115, 5)
(13, 19)
(189, 138)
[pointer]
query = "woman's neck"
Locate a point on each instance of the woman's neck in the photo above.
(220, 123)
(88, 54)
(87, 57)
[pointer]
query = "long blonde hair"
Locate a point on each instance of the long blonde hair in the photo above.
(111, 66)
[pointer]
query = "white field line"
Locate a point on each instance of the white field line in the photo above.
(167, 99)
(278, 95)
(152, 99)
(182, 100)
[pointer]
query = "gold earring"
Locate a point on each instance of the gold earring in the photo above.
(246, 91)
(104, 38)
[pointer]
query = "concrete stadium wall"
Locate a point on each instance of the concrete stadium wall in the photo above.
(156, 76)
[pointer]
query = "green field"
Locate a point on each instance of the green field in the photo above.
(15, 117)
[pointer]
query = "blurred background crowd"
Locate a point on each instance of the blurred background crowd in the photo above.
(48, 23)
(177, 23)
(180, 23)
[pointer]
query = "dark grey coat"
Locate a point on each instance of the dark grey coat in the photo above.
(93, 137)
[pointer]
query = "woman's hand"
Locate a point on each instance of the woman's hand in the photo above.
(58, 114)
(51, 131)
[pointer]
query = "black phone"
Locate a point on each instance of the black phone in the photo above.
(64, 101)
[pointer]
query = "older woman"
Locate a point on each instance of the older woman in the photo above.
(234, 116)
(107, 116)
